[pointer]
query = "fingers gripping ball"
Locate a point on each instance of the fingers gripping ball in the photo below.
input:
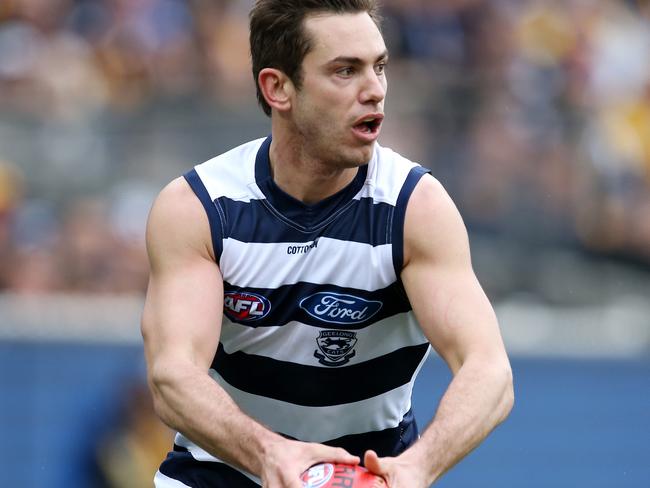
(329, 475)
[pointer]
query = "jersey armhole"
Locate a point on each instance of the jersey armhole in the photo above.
(399, 216)
(212, 209)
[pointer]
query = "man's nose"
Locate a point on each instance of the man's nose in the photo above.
(374, 88)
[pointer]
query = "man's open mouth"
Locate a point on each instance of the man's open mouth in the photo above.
(369, 125)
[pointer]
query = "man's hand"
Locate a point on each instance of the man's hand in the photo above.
(285, 460)
(397, 471)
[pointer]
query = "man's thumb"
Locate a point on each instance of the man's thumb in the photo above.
(373, 464)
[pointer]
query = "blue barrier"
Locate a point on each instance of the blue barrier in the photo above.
(576, 422)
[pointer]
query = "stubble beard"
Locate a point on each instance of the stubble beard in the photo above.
(334, 151)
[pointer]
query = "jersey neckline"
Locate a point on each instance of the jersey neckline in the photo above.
(307, 216)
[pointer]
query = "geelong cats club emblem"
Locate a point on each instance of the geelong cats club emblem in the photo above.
(335, 347)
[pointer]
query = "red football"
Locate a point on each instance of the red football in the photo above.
(328, 475)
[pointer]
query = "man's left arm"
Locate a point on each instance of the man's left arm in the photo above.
(457, 318)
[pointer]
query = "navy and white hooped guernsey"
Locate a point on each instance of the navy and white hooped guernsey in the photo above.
(318, 339)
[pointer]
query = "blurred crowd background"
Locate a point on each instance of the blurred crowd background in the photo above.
(534, 114)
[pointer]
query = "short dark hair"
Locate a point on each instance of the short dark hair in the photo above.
(278, 39)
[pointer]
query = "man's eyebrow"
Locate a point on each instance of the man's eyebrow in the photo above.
(353, 60)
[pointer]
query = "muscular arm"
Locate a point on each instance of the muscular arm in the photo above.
(181, 326)
(460, 323)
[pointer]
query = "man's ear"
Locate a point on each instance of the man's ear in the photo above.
(277, 88)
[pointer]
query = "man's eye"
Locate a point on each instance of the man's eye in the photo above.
(380, 68)
(345, 71)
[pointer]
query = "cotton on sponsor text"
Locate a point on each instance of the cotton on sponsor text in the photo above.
(303, 249)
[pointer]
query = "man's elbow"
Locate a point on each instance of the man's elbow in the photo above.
(157, 399)
(507, 400)
(162, 383)
(160, 405)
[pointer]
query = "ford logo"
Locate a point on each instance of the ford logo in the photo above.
(335, 308)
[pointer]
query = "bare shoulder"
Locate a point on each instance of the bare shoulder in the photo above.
(433, 226)
(177, 222)
(430, 195)
(183, 301)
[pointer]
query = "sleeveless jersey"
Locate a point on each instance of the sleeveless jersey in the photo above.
(318, 340)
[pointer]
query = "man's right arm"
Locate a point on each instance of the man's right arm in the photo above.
(181, 326)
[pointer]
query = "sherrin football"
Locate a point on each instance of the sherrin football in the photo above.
(328, 475)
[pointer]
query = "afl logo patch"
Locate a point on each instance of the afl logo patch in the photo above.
(317, 476)
(336, 308)
(245, 307)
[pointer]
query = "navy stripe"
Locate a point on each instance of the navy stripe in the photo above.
(361, 221)
(285, 303)
(400, 216)
(181, 466)
(211, 209)
(389, 442)
(318, 386)
(295, 212)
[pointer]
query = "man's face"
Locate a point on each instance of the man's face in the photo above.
(340, 105)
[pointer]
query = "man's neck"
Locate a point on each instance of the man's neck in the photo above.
(304, 177)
